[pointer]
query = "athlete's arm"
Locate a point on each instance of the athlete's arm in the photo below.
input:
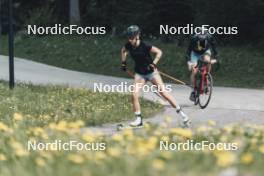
(123, 59)
(213, 45)
(123, 54)
(157, 52)
(190, 48)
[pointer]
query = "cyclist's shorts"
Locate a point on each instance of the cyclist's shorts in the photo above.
(149, 77)
(195, 56)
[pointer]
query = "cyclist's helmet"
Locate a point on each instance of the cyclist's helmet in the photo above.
(202, 41)
(132, 31)
(202, 37)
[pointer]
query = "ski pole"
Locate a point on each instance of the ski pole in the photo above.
(174, 79)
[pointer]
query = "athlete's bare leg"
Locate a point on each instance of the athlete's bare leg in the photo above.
(157, 81)
(138, 84)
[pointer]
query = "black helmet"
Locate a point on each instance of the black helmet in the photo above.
(202, 40)
(133, 31)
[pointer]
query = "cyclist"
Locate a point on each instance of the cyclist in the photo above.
(201, 47)
(145, 70)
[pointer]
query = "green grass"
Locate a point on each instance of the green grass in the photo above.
(43, 105)
(242, 66)
(46, 114)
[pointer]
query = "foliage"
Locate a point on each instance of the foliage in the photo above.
(241, 66)
(117, 15)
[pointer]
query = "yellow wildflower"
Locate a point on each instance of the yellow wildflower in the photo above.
(17, 116)
(117, 137)
(246, 158)
(19, 149)
(45, 154)
(261, 149)
(202, 129)
(38, 131)
(76, 125)
(152, 143)
(3, 127)
(182, 132)
(158, 164)
(62, 126)
(114, 152)
(225, 158)
(99, 156)
(88, 137)
(157, 132)
(52, 126)
(75, 158)
(21, 152)
(228, 129)
(211, 123)
(141, 150)
(147, 126)
(129, 134)
(2, 157)
(131, 150)
(166, 155)
(40, 162)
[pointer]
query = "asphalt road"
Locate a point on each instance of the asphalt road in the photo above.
(228, 105)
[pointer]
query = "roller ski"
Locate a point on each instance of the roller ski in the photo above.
(138, 123)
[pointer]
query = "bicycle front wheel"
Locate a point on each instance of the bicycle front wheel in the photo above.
(205, 91)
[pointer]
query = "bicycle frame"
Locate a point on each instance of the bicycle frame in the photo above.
(202, 71)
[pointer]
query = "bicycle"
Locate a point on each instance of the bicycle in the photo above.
(203, 85)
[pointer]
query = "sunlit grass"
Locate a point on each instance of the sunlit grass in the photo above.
(44, 104)
(59, 114)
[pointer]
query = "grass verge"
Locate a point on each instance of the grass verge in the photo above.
(44, 104)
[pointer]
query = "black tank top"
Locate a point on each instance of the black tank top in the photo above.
(141, 56)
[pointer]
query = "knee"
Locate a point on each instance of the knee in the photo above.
(194, 71)
(190, 65)
(206, 58)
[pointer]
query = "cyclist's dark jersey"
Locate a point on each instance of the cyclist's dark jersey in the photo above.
(193, 46)
(141, 56)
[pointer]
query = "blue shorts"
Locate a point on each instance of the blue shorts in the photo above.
(195, 56)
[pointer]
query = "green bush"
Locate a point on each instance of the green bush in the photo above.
(43, 16)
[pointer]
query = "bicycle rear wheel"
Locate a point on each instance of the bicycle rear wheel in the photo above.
(206, 92)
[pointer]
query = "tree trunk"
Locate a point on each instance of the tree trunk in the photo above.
(74, 12)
